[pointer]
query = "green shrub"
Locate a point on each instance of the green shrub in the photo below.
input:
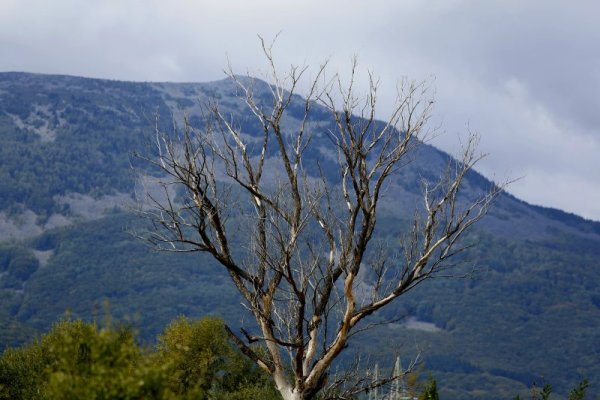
(201, 357)
(78, 360)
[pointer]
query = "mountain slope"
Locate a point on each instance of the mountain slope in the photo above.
(530, 310)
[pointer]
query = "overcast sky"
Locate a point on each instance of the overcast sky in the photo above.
(524, 74)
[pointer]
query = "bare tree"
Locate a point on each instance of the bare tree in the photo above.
(308, 236)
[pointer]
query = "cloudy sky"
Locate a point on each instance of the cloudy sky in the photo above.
(524, 74)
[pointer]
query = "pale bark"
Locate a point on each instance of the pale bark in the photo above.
(303, 257)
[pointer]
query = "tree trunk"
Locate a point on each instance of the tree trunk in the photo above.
(291, 395)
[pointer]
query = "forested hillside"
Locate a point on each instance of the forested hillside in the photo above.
(69, 179)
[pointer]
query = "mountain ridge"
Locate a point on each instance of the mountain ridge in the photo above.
(199, 87)
(65, 158)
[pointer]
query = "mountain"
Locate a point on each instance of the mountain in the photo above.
(530, 311)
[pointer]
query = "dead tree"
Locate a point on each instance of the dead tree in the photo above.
(306, 236)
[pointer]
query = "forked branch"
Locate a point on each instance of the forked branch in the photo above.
(295, 236)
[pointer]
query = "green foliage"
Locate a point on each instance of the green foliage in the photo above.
(201, 357)
(20, 372)
(578, 393)
(545, 392)
(77, 360)
(430, 392)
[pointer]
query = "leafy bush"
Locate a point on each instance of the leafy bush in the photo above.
(78, 360)
(200, 357)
